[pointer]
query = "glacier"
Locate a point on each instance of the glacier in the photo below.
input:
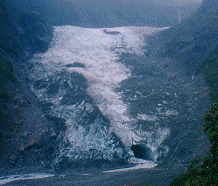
(78, 79)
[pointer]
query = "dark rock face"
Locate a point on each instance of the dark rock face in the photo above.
(208, 5)
(181, 53)
(37, 34)
(190, 42)
(22, 32)
(112, 33)
(26, 136)
(75, 64)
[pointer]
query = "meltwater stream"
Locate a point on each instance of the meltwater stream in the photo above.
(77, 81)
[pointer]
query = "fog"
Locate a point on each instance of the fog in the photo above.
(111, 13)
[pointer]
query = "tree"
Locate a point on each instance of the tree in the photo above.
(205, 174)
(211, 127)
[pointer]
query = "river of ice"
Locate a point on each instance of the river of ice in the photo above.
(99, 51)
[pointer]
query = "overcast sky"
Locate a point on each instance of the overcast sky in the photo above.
(141, 2)
(111, 13)
(176, 2)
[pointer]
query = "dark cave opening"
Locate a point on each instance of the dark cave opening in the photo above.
(142, 151)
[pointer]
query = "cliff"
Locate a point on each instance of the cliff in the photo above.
(22, 125)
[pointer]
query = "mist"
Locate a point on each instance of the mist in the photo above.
(111, 13)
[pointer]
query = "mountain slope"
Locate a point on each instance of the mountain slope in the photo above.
(209, 70)
(191, 41)
(22, 33)
(191, 48)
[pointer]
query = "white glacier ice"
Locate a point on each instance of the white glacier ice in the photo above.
(12, 178)
(99, 52)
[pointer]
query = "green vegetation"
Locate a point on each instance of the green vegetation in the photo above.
(6, 69)
(11, 46)
(6, 74)
(204, 173)
(210, 72)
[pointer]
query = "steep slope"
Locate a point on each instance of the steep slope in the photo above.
(189, 50)
(209, 70)
(22, 33)
(190, 42)
(187, 53)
